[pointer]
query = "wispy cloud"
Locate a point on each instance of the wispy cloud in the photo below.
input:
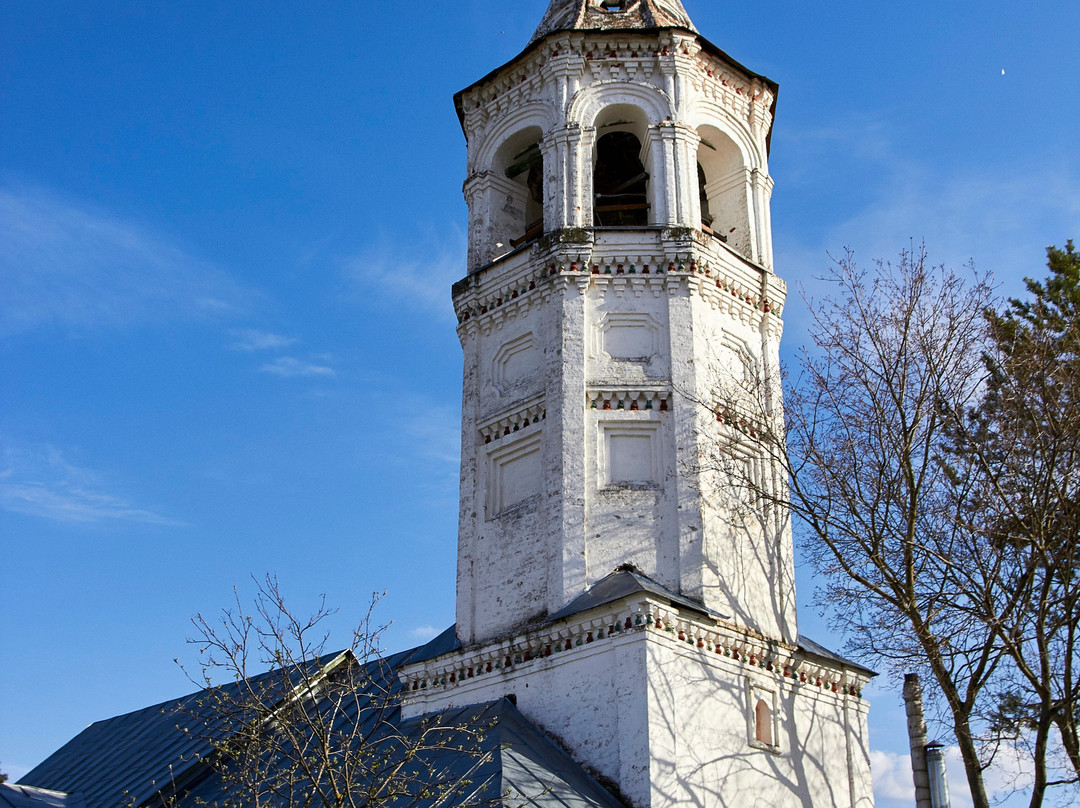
(1000, 218)
(892, 779)
(424, 632)
(418, 273)
(40, 481)
(1005, 781)
(436, 434)
(250, 339)
(67, 265)
(292, 367)
(1002, 222)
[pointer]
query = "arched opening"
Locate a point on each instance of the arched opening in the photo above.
(620, 182)
(763, 731)
(528, 170)
(723, 188)
(519, 213)
(622, 188)
(703, 197)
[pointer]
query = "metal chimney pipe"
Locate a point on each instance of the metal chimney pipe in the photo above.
(939, 781)
(917, 740)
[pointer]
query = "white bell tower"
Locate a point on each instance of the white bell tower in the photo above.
(620, 288)
(620, 273)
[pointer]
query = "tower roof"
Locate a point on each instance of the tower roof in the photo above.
(592, 15)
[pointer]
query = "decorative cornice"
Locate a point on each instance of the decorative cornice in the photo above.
(707, 267)
(748, 98)
(629, 400)
(506, 424)
(715, 643)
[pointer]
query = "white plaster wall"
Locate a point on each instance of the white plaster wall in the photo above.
(592, 700)
(680, 340)
(545, 332)
(702, 749)
(671, 724)
(747, 568)
(507, 541)
(580, 523)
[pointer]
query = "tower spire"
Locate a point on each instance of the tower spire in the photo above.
(602, 15)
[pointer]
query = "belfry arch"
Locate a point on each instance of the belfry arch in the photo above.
(622, 190)
(724, 191)
(520, 162)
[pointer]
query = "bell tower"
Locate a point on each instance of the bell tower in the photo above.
(620, 322)
(620, 274)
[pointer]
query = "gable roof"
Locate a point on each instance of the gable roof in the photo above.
(17, 796)
(128, 759)
(490, 749)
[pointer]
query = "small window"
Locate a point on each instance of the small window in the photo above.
(762, 726)
(612, 5)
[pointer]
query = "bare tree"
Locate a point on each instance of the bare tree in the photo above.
(933, 451)
(896, 350)
(290, 725)
(1016, 469)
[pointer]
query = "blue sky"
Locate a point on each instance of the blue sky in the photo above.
(227, 236)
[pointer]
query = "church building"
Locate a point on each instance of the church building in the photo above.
(618, 591)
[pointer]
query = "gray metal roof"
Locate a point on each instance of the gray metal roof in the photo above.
(16, 796)
(627, 582)
(133, 759)
(499, 756)
(623, 583)
(128, 759)
(810, 647)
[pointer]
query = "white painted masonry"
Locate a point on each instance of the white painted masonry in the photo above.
(659, 702)
(620, 278)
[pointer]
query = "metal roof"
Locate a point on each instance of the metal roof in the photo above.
(810, 647)
(623, 583)
(17, 796)
(130, 760)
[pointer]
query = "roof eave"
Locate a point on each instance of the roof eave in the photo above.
(532, 46)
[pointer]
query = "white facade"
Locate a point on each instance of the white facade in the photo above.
(664, 706)
(620, 278)
(596, 346)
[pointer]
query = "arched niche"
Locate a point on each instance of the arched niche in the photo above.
(763, 723)
(622, 188)
(724, 190)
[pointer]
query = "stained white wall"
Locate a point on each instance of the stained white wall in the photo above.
(672, 724)
(589, 437)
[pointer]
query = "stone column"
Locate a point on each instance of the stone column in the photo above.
(761, 230)
(563, 202)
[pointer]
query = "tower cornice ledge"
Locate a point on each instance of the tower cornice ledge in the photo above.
(647, 258)
(460, 676)
(572, 47)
